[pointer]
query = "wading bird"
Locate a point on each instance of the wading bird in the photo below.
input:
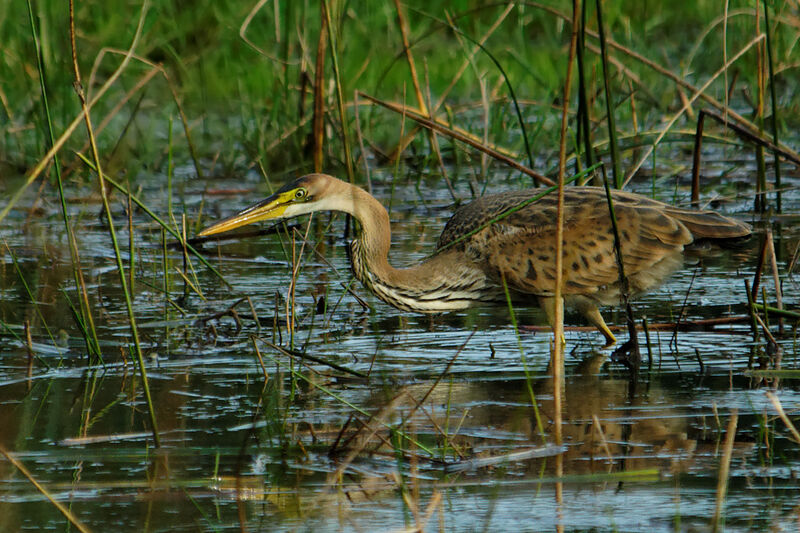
(508, 238)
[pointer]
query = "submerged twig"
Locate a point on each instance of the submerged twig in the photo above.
(309, 357)
(519, 455)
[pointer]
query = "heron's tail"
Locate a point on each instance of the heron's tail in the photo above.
(710, 225)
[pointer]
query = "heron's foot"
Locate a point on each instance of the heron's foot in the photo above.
(628, 355)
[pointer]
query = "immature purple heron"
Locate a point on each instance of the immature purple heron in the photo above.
(474, 255)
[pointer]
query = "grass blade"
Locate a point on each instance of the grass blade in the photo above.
(110, 220)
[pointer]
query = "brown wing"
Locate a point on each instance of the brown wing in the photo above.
(480, 212)
(521, 247)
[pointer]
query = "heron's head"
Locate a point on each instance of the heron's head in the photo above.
(311, 193)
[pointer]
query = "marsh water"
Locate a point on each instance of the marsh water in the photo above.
(392, 436)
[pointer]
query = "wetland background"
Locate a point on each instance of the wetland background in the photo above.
(148, 383)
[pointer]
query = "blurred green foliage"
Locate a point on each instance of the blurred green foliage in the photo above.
(243, 96)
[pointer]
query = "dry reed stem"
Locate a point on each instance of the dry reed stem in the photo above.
(485, 107)
(558, 305)
(401, 22)
(682, 83)
(760, 202)
(469, 140)
(260, 359)
(759, 38)
(332, 45)
(603, 441)
(433, 504)
(793, 260)
(361, 142)
(776, 403)
(246, 24)
(765, 329)
(755, 137)
(775, 276)
(410, 58)
(62, 509)
(406, 140)
(762, 257)
(112, 232)
(189, 283)
(6, 106)
(725, 17)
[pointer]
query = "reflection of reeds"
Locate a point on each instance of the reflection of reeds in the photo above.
(35, 305)
(724, 470)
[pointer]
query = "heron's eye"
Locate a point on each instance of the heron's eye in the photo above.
(299, 194)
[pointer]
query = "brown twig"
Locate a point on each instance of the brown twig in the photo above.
(695, 95)
(309, 357)
(435, 125)
(706, 324)
(775, 276)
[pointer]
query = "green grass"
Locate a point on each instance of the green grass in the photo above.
(239, 101)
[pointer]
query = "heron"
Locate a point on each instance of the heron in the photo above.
(507, 240)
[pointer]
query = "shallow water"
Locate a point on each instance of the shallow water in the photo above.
(237, 448)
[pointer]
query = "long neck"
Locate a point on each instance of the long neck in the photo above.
(370, 250)
(445, 282)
